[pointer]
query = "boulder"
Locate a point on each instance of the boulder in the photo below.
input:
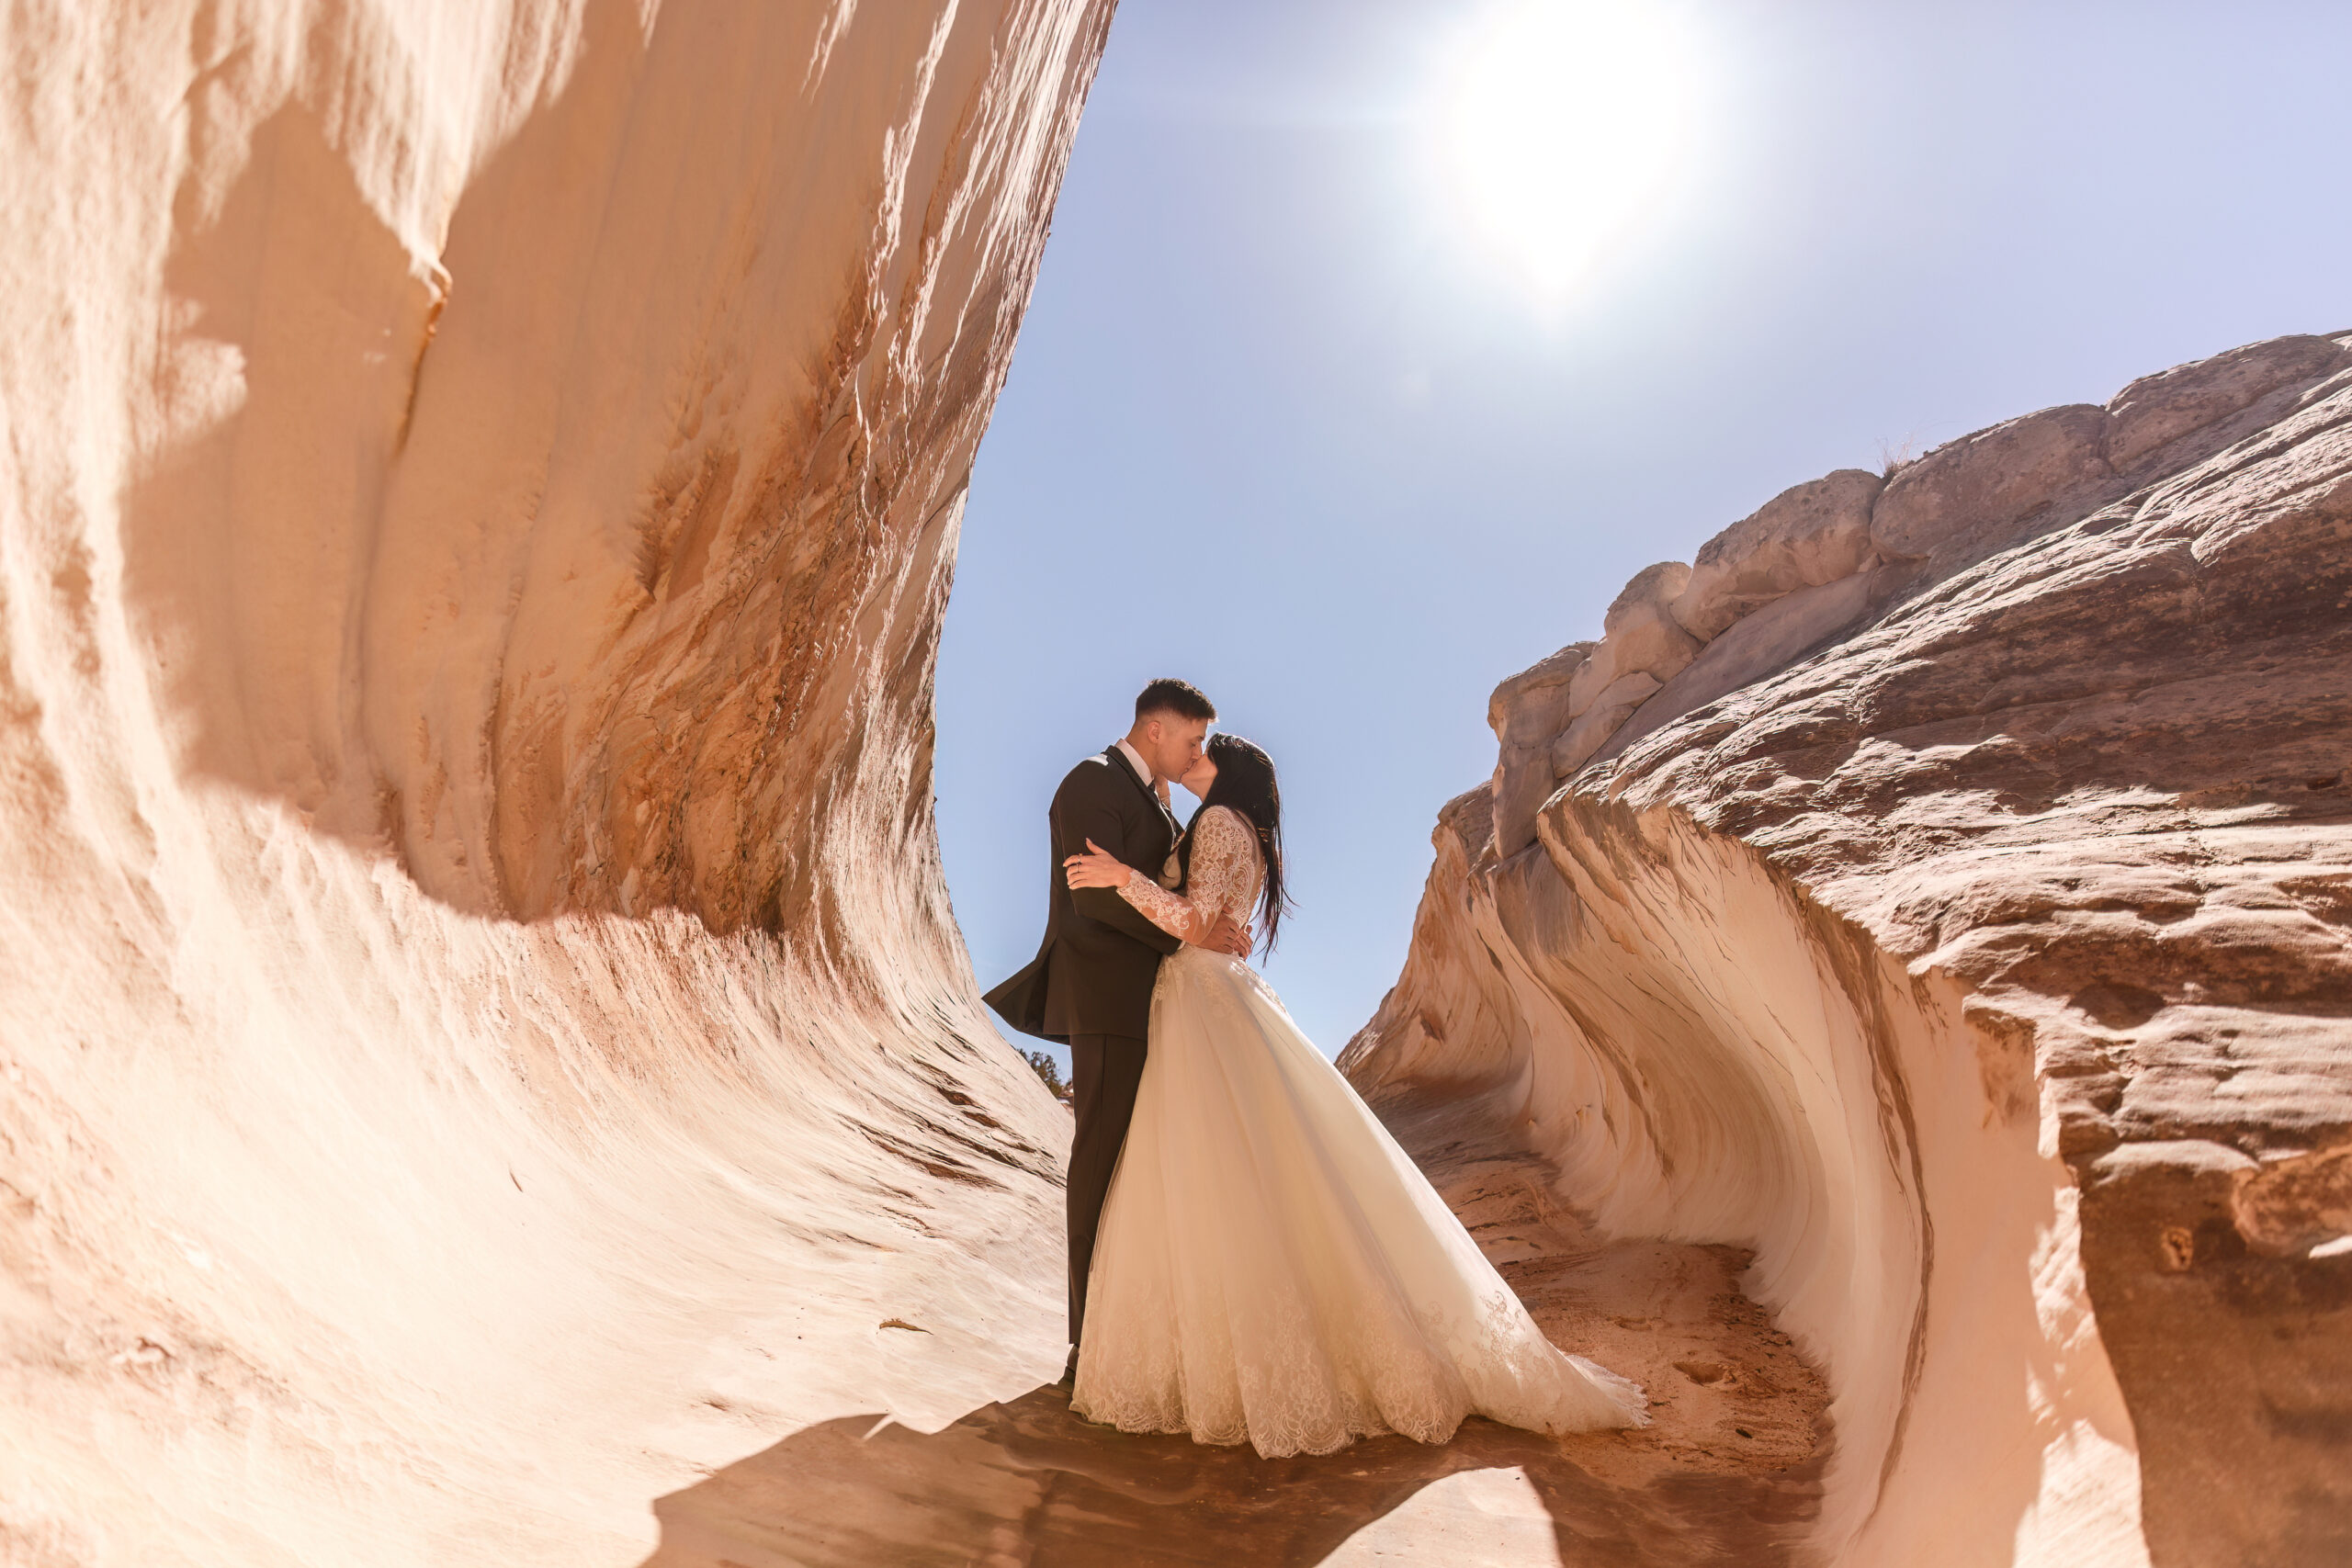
(1527, 712)
(1808, 535)
(1975, 495)
(1638, 633)
(1593, 727)
(2157, 410)
(1532, 707)
(1770, 640)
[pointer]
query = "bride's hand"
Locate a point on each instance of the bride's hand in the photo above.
(1095, 869)
(1224, 936)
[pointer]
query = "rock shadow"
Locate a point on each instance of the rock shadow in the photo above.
(258, 535)
(284, 385)
(1028, 1484)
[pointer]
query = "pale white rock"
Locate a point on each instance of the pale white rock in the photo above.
(1808, 535)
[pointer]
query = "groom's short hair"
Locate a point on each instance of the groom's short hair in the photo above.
(1178, 697)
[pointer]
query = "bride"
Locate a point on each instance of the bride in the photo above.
(1271, 1266)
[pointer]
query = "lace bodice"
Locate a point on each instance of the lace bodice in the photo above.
(1227, 873)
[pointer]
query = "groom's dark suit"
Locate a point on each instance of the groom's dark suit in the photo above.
(1090, 983)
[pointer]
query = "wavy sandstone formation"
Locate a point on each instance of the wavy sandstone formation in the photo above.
(483, 1034)
(484, 1042)
(1943, 887)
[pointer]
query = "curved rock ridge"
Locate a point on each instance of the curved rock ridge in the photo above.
(486, 1040)
(1959, 915)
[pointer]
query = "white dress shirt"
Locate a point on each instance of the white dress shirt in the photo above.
(1143, 769)
(1168, 874)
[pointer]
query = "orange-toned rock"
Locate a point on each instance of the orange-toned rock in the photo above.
(486, 1040)
(1978, 952)
(1972, 496)
(1809, 535)
(1527, 713)
(2157, 410)
(1610, 708)
(1638, 633)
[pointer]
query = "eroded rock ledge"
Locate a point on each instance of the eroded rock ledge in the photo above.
(1942, 887)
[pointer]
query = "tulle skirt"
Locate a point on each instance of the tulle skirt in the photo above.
(1272, 1269)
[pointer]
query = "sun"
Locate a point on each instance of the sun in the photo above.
(1562, 129)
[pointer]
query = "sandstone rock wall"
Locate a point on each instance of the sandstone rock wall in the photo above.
(1941, 887)
(484, 1036)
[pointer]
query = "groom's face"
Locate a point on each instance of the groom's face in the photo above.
(1172, 744)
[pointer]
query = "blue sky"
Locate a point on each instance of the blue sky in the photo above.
(1279, 424)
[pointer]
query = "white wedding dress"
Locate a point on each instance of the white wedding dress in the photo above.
(1270, 1268)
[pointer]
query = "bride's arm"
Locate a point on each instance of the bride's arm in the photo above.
(1171, 912)
(1212, 853)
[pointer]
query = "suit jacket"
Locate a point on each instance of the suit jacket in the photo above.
(1094, 972)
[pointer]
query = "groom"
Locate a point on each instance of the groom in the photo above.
(1089, 984)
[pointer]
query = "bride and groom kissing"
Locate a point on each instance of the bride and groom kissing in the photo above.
(1253, 1258)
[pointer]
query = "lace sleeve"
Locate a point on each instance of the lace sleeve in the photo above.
(1224, 867)
(1171, 912)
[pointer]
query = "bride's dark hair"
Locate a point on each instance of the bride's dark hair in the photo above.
(1245, 782)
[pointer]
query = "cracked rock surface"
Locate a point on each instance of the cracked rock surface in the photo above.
(1975, 945)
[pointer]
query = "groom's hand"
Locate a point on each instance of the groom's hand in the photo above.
(1096, 868)
(1225, 937)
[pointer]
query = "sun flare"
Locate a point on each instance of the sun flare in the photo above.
(1562, 127)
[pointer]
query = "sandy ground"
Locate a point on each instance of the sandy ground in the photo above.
(1728, 1471)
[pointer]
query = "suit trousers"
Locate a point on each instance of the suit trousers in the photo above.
(1105, 1070)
